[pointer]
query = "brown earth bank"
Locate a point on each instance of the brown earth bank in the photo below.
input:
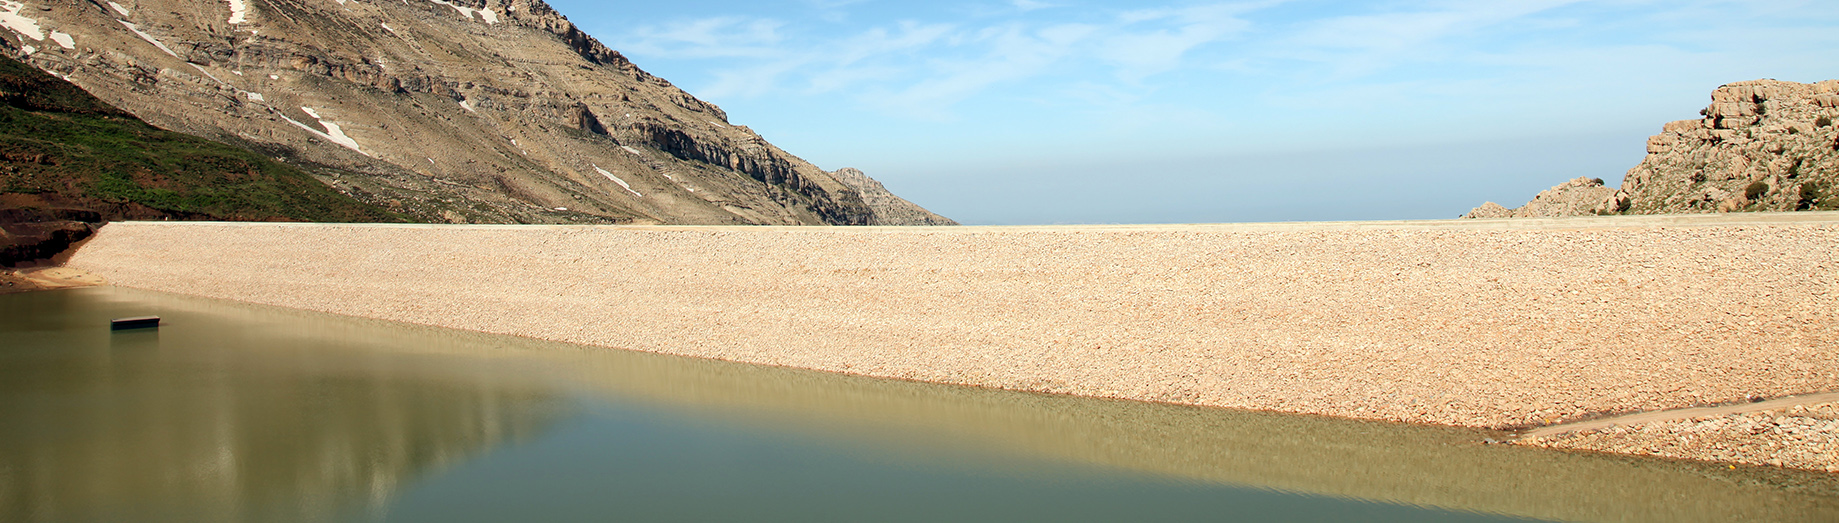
(1500, 324)
(33, 237)
(28, 235)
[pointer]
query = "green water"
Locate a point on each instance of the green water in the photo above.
(233, 412)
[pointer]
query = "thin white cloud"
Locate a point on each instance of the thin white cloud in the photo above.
(1373, 53)
(833, 11)
(1031, 5)
(754, 80)
(719, 37)
(920, 68)
(1013, 53)
(905, 37)
(1357, 45)
(1154, 50)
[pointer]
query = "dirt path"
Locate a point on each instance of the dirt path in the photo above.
(1640, 418)
(1797, 432)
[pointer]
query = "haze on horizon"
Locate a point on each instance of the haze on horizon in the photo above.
(1070, 111)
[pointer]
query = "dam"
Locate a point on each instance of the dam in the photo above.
(1496, 324)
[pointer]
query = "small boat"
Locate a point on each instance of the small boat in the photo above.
(143, 322)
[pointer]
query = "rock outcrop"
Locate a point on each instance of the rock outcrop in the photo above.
(455, 111)
(1577, 197)
(888, 208)
(1762, 145)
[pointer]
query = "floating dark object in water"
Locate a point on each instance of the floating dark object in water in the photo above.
(143, 322)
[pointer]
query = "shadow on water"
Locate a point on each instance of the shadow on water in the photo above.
(244, 413)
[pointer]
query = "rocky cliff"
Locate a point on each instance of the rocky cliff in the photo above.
(1762, 145)
(888, 209)
(451, 111)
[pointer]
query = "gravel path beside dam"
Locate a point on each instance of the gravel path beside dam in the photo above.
(1802, 437)
(1493, 323)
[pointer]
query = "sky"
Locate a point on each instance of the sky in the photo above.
(1071, 111)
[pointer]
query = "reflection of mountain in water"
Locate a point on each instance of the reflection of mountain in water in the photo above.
(202, 424)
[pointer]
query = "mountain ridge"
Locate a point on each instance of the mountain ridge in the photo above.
(463, 111)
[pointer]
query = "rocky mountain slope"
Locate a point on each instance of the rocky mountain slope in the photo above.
(449, 111)
(888, 208)
(1763, 145)
(69, 161)
(61, 148)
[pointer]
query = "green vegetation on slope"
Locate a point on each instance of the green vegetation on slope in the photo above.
(61, 147)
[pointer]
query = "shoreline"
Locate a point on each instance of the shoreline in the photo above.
(1661, 416)
(1494, 324)
(33, 279)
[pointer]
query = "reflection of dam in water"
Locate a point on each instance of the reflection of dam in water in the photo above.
(225, 423)
(251, 413)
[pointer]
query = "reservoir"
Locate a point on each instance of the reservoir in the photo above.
(237, 412)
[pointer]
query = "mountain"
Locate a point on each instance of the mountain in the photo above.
(69, 161)
(476, 111)
(1762, 145)
(64, 149)
(888, 209)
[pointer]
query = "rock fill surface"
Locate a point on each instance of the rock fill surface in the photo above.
(1762, 145)
(1495, 324)
(484, 111)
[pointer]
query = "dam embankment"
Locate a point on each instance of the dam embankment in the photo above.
(1482, 323)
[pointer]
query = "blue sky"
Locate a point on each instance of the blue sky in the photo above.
(1069, 111)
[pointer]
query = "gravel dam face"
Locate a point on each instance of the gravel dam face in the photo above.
(1490, 323)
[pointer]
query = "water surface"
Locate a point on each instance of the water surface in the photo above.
(234, 412)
